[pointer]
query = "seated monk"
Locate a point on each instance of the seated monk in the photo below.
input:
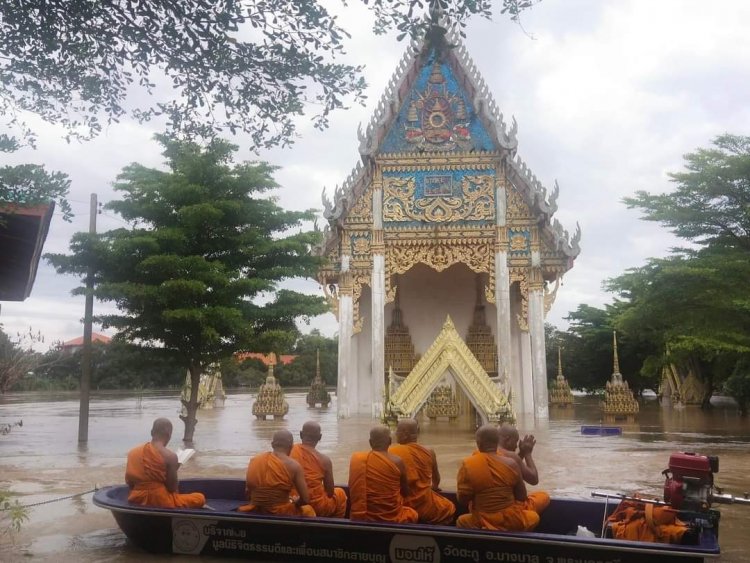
(537, 500)
(271, 476)
(492, 486)
(326, 499)
(422, 475)
(151, 472)
(377, 483)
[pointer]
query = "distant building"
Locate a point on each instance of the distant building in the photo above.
(72, 346)
(267, 359)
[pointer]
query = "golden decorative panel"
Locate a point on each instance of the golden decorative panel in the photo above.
(476, 202)
(361, 212)
(521, 275)
(449, 353)
(359, 279)
(517, 209)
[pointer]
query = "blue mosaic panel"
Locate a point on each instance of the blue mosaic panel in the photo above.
(519, 242)
(437, 115)
(413, 198)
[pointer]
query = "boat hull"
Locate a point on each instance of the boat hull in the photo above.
(224, 532)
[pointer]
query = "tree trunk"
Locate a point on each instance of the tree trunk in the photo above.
(191, 406)
(708, 391)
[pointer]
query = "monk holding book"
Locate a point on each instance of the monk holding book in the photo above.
(271, 478)
(422, 474)
(326, 499)
(151, 472)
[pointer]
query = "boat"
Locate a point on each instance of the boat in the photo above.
(594, 430)
(222, 531)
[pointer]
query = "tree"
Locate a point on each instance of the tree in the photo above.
(30, 184)
(301, 371)
(203, 247)
(248, 65)
(697, 302)
(711, 203)
(17, 358)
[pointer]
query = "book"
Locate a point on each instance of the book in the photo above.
(184, 455)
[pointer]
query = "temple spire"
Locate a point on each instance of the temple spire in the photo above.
(559, 363)
(616, 360)
(317, 363)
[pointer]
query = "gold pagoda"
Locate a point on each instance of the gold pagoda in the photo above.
(560, 394)
(318, 394)
(618, 398)
(270, 399)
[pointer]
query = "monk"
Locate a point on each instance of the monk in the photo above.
(378, 483)
(271, 476)
(422, 476)
(325, 499)
(509, 441)
(492, 486)
(151, 472)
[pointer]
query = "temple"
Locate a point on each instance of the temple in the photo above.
(560, 394)
(442, 242)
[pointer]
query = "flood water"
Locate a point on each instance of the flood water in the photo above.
(42, 460)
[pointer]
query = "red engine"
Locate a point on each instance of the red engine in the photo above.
(690, 480)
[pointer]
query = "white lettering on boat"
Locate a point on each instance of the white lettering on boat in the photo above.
(414, 549)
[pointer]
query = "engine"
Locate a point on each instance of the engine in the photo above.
(690, 481)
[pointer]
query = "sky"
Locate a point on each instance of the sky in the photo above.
(608, 95)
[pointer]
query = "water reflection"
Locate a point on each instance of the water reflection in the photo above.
(42, 459)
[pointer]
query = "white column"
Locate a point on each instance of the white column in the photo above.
(502, 307)
(526, 395)
(346, 390)
(378, 333)
(538, 359)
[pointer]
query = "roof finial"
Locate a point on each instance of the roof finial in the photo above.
(435, 36)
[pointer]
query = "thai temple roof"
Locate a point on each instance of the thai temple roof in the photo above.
(478, 126)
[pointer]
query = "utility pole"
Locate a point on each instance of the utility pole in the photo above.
(88, 320)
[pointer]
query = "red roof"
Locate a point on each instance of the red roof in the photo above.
(95, 337)
(267, 359)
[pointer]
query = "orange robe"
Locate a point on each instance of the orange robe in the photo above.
(271, 488)
(431, 507)
(324, 505)
(375, 490)
(146, 475)
(489, 483)
(536, 501)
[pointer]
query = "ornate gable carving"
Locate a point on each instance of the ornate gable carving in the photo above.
(449, 353)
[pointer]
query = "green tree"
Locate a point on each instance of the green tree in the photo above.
(696, 303)
(206, 243)
(247, 65)
(30, 184)
(301, 371)
(17, 357)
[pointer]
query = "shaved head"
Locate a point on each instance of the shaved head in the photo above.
(407, 431)
(508, 436)
(487, 438)
(380, 438)
(162, 429)
(310, 433)
(282, 440)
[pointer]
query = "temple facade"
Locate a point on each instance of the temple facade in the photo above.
(441, 232)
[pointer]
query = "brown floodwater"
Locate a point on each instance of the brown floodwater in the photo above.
(42, 459)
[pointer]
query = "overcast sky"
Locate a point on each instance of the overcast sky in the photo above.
(608, 96)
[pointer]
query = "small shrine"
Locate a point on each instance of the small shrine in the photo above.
(679, 385)
(210, 389)
(560, 394)
(442, 403)
(270, 401)
(318, 395)
(618, 398)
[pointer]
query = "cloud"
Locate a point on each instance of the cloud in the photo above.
(608, 95)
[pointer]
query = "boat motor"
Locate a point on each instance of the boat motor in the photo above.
(689, 483)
